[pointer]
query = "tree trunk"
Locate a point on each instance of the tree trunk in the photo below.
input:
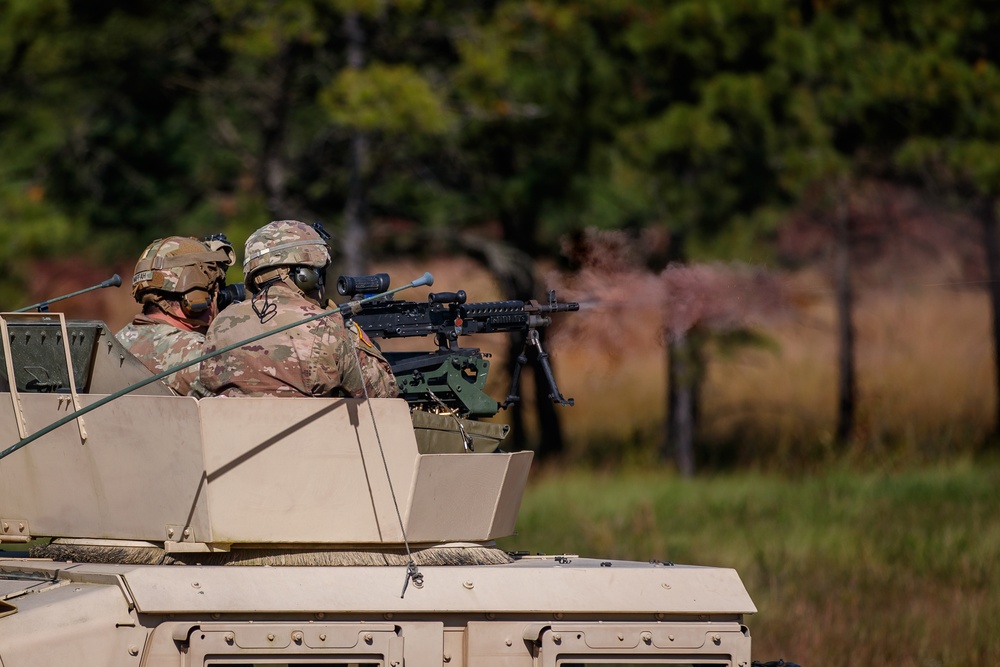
(684, 375)
(685, 372)
(988, 217)
(273, 168)
(355, 234)
(846, 391)
(514, 270)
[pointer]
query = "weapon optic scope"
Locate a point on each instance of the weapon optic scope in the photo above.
(231, 294)
(354, 285)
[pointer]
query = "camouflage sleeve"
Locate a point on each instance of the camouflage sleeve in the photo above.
(350, 364)
(333, 371)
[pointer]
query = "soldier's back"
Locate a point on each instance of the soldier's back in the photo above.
(309, 359)
(160, 346)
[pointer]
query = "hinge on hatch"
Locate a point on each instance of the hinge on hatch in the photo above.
(533, 631)
(14, 530)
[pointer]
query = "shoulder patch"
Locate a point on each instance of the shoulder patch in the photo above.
(362, 335)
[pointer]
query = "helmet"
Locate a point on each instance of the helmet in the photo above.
(291, 244)
(220, 242)
(183, 267)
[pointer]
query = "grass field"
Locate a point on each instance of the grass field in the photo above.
(845, 568)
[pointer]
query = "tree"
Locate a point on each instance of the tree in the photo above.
(711, 148)
(920, 102)
(333, 115)
(92, 134)
(524, 145)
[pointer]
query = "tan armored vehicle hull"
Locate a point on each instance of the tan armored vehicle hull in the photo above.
(533, 612)
(295, 520)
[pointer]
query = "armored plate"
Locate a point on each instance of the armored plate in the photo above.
(218, 472)
(537, 611)
(38, 357)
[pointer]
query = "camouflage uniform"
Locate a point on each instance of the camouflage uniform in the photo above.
(179, 276)
(284, 264)
(318, 358)
(160, 346)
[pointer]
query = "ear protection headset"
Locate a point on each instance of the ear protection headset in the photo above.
(196, 302)
(307, 278)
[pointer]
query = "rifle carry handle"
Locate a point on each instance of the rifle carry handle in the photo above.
(447, 297)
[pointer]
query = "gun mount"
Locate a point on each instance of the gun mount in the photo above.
(322, 510)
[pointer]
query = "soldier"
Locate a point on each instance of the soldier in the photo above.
(176, 280)
(284, 268)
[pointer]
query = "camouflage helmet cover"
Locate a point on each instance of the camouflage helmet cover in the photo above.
(284, 243)
(178, 264)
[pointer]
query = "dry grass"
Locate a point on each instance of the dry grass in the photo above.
(925, 381)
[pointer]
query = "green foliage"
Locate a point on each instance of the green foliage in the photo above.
(375, 8)
(390, 99)
(712, 130)
(747, 238)
(706, 118)
(261, 29)
(34, 228)
(922, 97)
(22, 23)
(41, 229)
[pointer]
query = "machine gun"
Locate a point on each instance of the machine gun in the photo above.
(452, 378)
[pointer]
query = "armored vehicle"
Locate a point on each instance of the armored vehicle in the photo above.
(187, 531)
